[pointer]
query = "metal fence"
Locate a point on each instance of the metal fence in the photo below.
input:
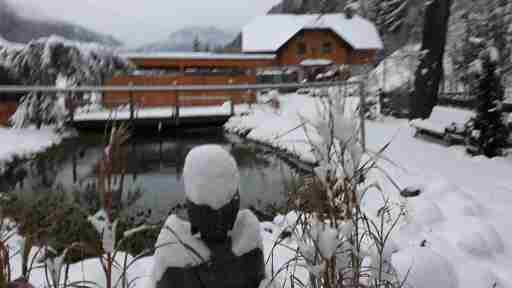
(71, 93)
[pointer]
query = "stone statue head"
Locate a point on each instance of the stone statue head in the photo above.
(212, 182)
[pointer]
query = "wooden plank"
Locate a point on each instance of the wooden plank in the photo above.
(147, 63)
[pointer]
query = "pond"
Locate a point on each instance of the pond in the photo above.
(153, 179)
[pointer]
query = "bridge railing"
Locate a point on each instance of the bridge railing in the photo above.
(183, 92)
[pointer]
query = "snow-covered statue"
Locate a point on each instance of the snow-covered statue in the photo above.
(220, 246)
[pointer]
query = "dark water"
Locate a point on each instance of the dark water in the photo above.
(153, 179)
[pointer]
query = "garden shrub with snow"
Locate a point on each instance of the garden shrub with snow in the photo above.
(57, 62)
(332, 240)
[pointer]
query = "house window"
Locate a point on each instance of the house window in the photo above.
(327, 48)
(301, 49)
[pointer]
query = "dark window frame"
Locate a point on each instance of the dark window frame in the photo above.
(302, 48)
(327, 48)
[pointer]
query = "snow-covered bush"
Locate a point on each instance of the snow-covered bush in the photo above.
(489, 132)
(58, 62)
(338, 243)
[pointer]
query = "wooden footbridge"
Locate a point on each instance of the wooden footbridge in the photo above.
(185, 112)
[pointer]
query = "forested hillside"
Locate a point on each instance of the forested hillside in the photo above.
(16, 28)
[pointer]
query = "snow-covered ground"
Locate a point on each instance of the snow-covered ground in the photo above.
(464, 212)
(463, 216)
(25, 142)
(455, 234)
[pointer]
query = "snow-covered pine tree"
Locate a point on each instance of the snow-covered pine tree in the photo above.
(489, 132)
(44, 62)
(196, 45)
(498, 22)
(484, 26)
(471, 45)
(391, 14)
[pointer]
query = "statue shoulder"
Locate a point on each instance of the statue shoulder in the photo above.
(246, 235)
(176, 247)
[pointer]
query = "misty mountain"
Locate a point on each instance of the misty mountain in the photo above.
(183, 40)
(16, 28)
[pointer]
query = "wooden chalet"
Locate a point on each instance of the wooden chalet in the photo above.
(311, 43)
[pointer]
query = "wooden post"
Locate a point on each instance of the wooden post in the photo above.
(177, 110)
(39, 113)
(232, 112)
(131, 106)
(362, 107)
(71, 105)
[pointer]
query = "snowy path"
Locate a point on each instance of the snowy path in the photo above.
(464, 213)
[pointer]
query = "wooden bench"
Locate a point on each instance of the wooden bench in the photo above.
(447, 123)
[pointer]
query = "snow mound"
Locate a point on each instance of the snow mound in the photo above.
(176, 247)
(423, 268)
(425, 212)
(460, 204)
(451, 199)
(475, 236)
(211, 176)
(246, 235)
(478, 275)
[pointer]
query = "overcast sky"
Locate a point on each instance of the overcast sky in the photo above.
(140, 21)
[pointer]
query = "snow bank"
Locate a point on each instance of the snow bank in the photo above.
(423, 268)
(211, 176)
(25, 142)
(290, 129)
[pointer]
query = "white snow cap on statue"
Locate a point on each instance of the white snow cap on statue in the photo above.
(211, 176)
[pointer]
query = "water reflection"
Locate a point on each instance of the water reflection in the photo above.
(153, 179)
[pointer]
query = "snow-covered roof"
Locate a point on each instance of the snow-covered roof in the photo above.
(199, 55)
(270, 32)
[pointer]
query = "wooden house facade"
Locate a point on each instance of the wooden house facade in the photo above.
(200, 69)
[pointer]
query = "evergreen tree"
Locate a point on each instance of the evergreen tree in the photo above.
(471, 45)
(4, 76)
(498, 21)
(484, 26)
(489, 132)
(206, 47)
(390, 14)
(196, 46)
(45, 61)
